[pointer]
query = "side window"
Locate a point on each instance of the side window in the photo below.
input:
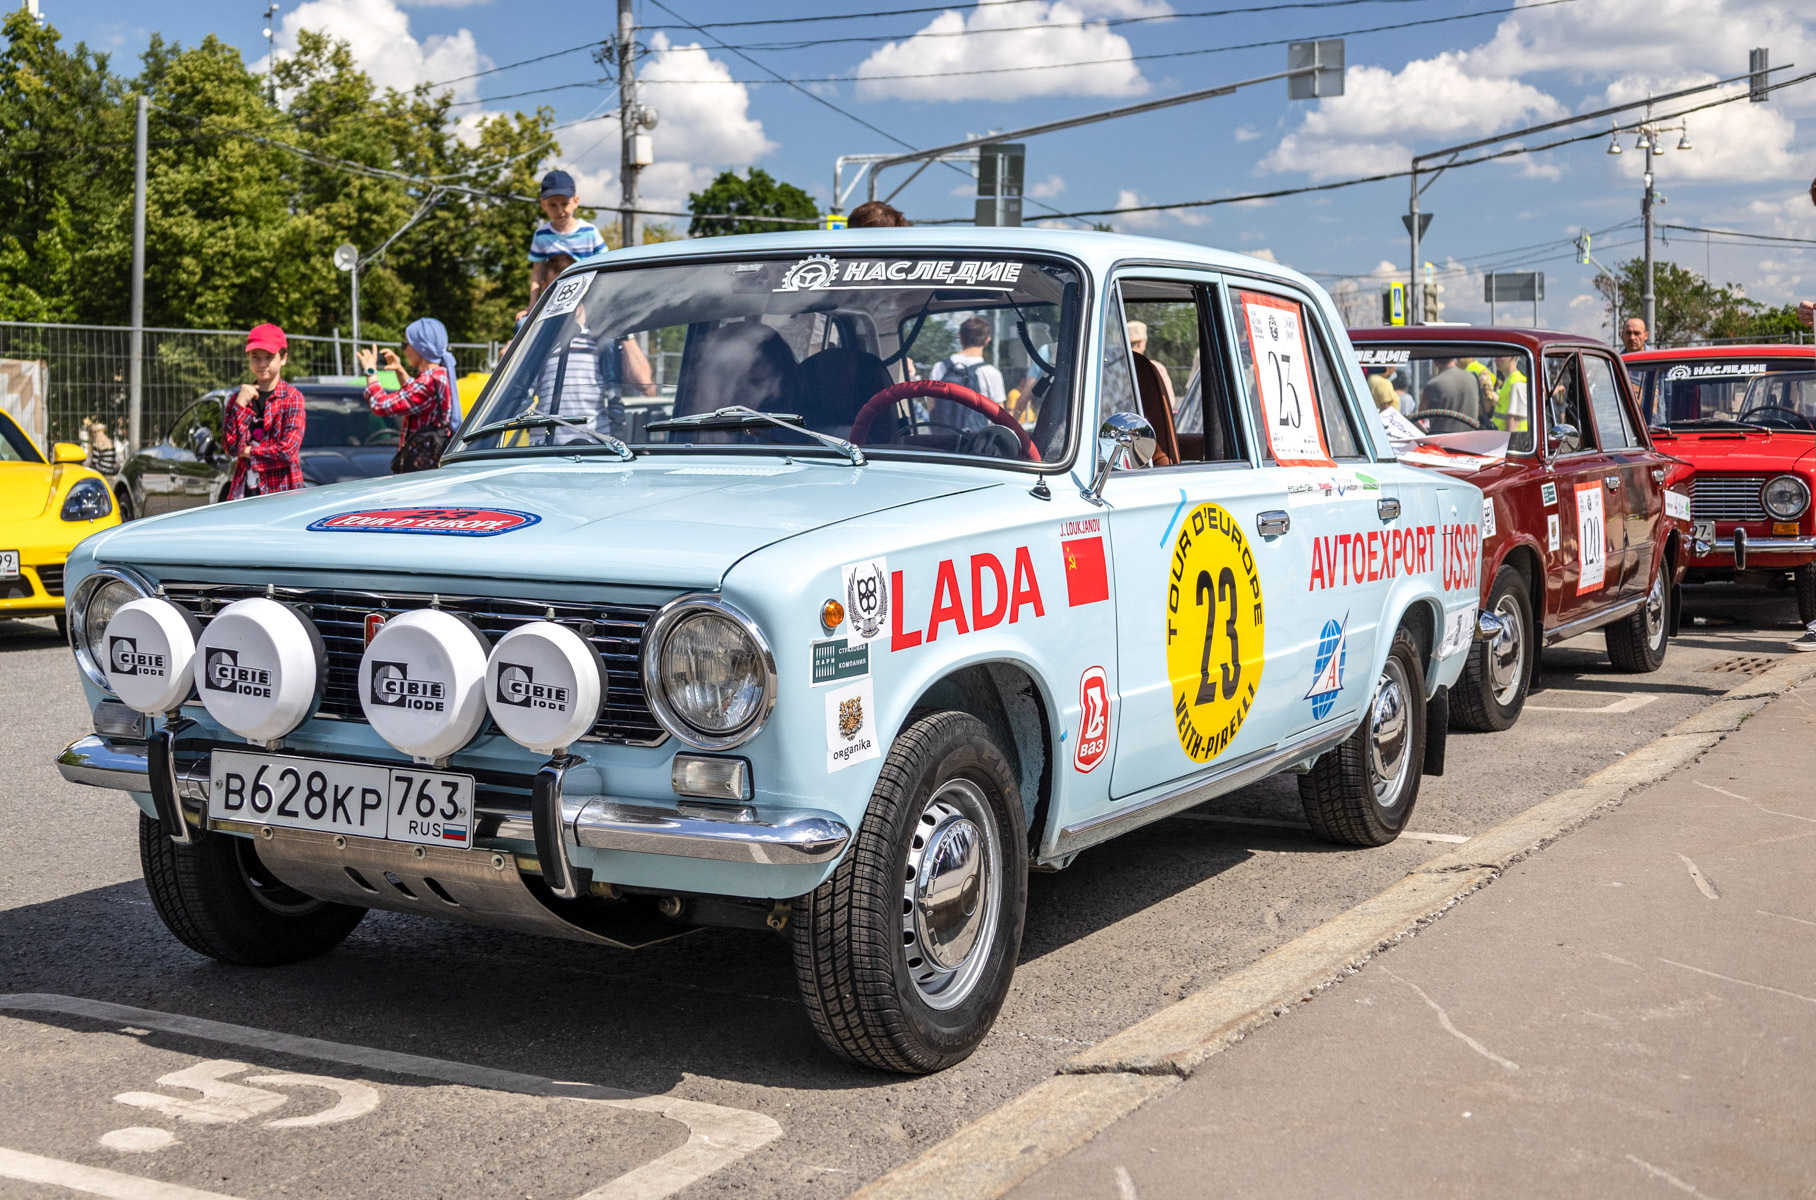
(1564, 404)
(1339, 431)
(182, 430)
(1611, 419)
(1161, 322)
(1115, 386)
(1277, 358)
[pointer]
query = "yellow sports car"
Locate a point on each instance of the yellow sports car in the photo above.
(45, 509)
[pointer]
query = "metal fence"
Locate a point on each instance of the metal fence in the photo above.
(87, 368)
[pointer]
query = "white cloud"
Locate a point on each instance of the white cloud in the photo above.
(955, 42)
(1262, 253)
(1733, 143)
(704, 128)
(443, 3)
(1047, 188)
(1637, 36)
(1129, 198)
(378, 33)
(1247, 133)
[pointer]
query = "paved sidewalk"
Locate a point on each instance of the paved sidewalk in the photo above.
(1631, 1012)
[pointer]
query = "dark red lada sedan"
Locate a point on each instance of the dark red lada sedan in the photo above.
(1746, 417)
(1585, 523)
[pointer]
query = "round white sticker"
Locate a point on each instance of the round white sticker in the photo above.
(421, 682)
(544, 685)
(258, 668)
(150, 654)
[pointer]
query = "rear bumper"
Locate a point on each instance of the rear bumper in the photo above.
(725, 835)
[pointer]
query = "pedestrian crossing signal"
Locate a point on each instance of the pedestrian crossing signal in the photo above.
(834, 221)
(1393, 304)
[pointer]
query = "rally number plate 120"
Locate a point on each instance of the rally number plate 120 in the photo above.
(403, 804)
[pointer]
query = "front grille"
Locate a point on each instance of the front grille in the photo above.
(1727, 497)
(52, 579)
(615, 631)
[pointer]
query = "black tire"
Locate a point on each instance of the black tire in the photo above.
(1497, 675)
(123, 498)
(1806, 592)
(220, 900)
(62, 620)
(1347, 798)
(867, 971)
(1637, 643)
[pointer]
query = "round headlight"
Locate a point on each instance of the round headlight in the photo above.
(93, 605)
(89, 500)
(709, 674)
(1785, 497)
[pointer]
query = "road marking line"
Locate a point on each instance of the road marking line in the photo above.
(1451, 1029)
(1764, 987)
(1125, 1186)
(1724, 791)
(1674, 1181)
(1762, 912)
(96, 1181)
(356, 1099)
(717, 1135)
(1627, 704)
(137, 1139)
(1702, 883)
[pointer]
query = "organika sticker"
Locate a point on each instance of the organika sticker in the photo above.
(850, 726)
(1215, 628)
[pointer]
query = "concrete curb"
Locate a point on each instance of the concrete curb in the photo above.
(1099, 1087)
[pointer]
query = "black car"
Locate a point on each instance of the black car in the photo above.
(342, 439)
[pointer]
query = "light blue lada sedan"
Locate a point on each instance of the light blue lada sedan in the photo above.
(823, 584)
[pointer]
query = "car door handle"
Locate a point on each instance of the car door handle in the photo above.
(1272, 523)
(1613, 482)
(1387, 508)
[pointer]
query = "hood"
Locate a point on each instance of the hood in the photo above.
(1739, 450)
(25, 490)
(661, 521)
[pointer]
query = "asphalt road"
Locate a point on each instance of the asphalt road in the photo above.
(711, 1018)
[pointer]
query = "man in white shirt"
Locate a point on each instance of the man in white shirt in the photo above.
(968, 369)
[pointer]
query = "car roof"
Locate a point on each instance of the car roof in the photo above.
(1757, 350)
(1097, 250)
(1529, 339)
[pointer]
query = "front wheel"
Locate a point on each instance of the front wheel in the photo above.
(1806, 592)
(904, 956)
(1497, 674)
(1636, 643)
(221, 900)
(1363, 792)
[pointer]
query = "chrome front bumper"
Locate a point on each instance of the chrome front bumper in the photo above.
(716, 833)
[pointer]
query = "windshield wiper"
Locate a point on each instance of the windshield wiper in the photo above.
(738, 416)
(550, 420)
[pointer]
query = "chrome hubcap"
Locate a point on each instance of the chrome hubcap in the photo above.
(1507, 653)
(1390, 733)
(1655, 611)
(950, 894)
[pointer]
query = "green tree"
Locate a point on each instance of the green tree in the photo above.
(756, 200)
(1691, 308)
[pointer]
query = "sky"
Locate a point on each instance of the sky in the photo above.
(1450, 72)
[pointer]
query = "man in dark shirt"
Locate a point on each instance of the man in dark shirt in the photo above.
(1456, 391)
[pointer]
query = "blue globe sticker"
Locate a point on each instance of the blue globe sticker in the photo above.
(1327, 674)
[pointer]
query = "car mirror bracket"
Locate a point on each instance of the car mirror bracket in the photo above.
(1125, 442)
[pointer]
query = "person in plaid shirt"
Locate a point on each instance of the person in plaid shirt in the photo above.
(262, 426)
(427, 402)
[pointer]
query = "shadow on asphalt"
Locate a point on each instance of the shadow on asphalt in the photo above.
(18, 633)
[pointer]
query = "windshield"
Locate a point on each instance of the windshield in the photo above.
(340, 420)
(1782, 399)
(1704, 390)
(14, 445)
(898, 352)
(1453, 387)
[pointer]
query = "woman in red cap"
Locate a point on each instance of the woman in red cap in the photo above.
(262, 428)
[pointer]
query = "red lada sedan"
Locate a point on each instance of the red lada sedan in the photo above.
(1746, 417)
(1581, 528)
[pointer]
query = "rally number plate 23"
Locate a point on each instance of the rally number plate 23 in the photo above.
(403, 804)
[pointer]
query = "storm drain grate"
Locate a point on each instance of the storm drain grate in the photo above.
(1742, 664)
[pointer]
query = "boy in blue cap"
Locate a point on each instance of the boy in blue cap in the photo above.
(564, 233)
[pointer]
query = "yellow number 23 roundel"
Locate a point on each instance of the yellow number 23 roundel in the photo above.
(1215, 630)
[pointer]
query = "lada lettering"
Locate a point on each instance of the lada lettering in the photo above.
(222, 673)
(988, 579)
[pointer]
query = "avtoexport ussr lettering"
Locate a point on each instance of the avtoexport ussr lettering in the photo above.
(1342, 559)
(1006, 598)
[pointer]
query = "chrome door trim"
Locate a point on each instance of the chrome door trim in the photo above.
(1581, 625)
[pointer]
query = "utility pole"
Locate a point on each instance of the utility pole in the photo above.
(271, 52)
(629, 122)
(135, 402)
(1649, 300)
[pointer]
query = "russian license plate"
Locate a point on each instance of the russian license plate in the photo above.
(1703, 531)
(9, 564)
(402, 804)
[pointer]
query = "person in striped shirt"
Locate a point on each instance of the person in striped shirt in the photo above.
(564, 236)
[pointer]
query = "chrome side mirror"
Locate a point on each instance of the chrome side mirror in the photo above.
(1125, 442)
(1558, 434)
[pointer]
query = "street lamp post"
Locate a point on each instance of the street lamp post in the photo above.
(1648, 142)
(346, 257)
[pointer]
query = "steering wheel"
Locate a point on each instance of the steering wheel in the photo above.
(1802, 420)
(940, 389)
(1450, 413)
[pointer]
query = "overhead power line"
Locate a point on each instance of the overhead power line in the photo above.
(1735, 233)
(944, 8)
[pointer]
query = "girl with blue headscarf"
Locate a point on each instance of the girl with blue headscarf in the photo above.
(429, 402)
